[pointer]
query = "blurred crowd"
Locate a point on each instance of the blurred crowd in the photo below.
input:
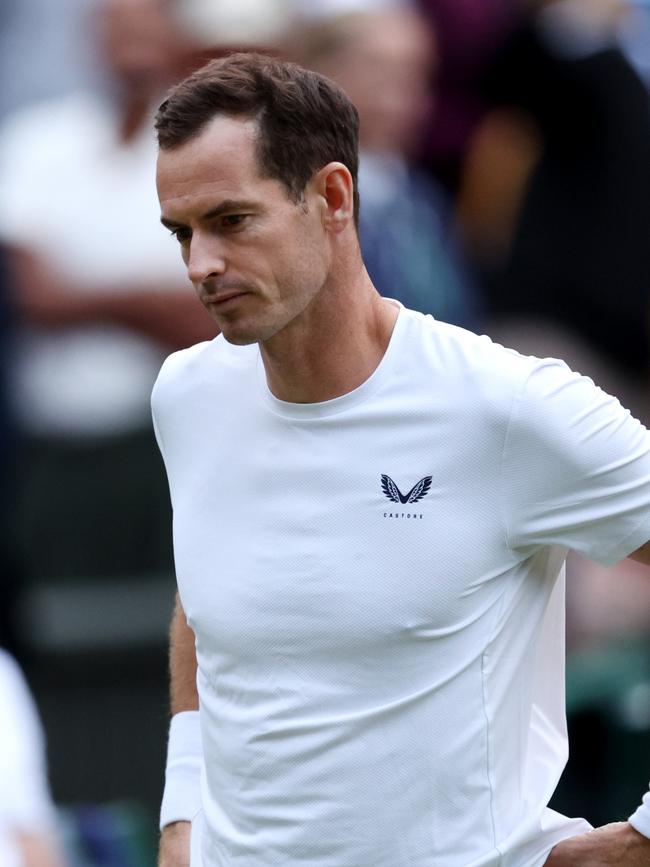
(505, 187)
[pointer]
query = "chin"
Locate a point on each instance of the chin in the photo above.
(243, 334)
(239, 339)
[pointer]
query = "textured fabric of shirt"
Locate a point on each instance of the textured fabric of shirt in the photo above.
(376, 587)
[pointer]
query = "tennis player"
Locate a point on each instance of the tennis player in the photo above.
(372, 511)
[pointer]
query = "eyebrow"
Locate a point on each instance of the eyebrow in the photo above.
(224, 208)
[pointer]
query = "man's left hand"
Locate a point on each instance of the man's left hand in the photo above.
(615, 845)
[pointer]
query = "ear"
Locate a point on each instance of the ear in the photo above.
(335, 188)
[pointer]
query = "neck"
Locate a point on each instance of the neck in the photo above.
(333, 347)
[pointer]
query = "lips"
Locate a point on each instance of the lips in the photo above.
(218, 300)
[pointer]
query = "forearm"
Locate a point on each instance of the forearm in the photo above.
(182, 796)
(171, 316)
(619, 844)
(614, 845)
(182, 663)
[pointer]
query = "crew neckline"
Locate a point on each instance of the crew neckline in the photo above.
(344, 402)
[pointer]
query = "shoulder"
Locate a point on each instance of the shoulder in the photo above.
(459, 358)
(483, 382)
(195, 389)
(187, 371)
(181, 363)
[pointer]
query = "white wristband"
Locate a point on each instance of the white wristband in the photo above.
(182, 796)
(640, 818)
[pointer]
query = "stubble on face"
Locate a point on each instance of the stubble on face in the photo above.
(278, 312)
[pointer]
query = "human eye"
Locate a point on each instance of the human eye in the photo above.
(233, 221)
(181, 233)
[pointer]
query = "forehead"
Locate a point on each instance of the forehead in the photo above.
(219, 162)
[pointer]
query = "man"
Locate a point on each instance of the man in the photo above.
(371, 514)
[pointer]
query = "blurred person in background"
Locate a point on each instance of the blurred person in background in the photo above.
(556, 196)
(383, 60)
(28, 835)
(470, 32)
(102, 299)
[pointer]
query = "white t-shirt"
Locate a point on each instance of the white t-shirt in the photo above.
(86, 203)
(376, 587)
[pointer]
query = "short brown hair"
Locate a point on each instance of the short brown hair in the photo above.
(305, 120)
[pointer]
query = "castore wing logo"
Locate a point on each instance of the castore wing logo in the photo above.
(390, 489)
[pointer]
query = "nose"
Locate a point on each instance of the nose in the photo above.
(204, 259)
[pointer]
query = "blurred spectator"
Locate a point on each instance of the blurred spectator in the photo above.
(566, 260)
(103, 296)
(469, 32)
(383, 60)
(27, 816)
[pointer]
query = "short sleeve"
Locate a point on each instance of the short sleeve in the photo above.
(575, 469)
